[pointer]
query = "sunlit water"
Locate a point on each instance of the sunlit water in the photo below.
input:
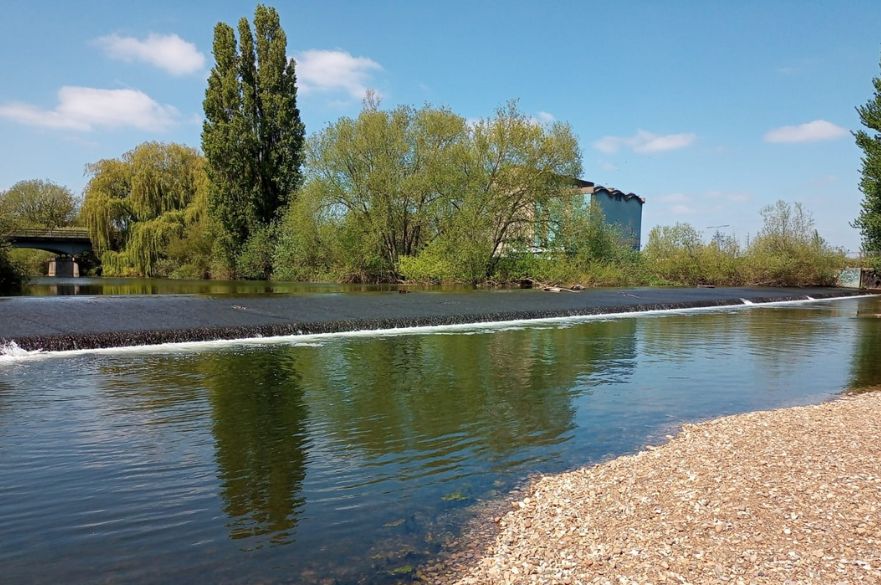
(353, 459)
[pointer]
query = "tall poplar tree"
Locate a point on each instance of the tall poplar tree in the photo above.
(869, 140)
(252, 135)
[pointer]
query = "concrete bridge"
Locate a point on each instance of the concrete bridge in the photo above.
(65, 243)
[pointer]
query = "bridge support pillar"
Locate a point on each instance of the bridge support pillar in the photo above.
(64, 267)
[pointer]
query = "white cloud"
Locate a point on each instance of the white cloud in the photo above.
(87, 108)
(711, 206)
(607, 166)
(808, 132)
(729, 196)
(644, 142)
(320, 70)
(682, 210)
(675, 198)
(168, 52)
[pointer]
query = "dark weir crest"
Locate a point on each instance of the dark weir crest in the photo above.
(266, 324)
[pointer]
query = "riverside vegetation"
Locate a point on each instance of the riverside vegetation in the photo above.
(148, 214)
(407, 194)
(421, 195)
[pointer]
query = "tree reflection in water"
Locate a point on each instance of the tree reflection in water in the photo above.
(259, 427)
(866, 363)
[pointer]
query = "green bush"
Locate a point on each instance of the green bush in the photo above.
(33, 262)
(304, 249)
(255, 259)
(789, 252)
(673, 254)
(12, 275)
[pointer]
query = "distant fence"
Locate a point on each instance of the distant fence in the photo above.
(58, 233)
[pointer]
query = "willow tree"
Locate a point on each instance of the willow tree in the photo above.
(136, 206)
(252, 135)
(405, 183)
(517, 168)
(383, 178)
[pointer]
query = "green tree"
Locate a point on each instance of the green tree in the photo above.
(674, 253)
(422, 193)
(12, 276)
(517, 169)
(252, 135)
(38, 204)
(788, 250)
(146, 211)
(869, 140)
(384, 178)
(11, 273)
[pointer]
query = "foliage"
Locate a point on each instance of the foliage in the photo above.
(389, 173)
(314, 244)
(252, 135)
(38, 204)
(674, 253)
(255, 259)
(35, 204)
(33, 262)
(12, 275)
(426, 189)
(869, 140)
(518, 168)
(420, 194)
(146, 211)
(787, 252)
(582, 249)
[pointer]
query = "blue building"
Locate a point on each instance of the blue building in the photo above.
(623, 210)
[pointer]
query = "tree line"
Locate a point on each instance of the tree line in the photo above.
(403, 193)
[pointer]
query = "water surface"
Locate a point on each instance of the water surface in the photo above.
(52, 286)
(353, 459)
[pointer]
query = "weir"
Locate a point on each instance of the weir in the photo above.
(74, 323)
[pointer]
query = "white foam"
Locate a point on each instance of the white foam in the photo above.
(12, 353)
(747, 302)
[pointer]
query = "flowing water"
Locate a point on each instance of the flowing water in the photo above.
(351, 459)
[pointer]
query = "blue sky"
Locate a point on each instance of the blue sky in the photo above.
(710, 110)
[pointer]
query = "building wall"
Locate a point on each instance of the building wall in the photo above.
(621, 211)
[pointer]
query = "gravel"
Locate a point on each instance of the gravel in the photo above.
(783, 496)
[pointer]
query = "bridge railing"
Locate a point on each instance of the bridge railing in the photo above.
(58, 233)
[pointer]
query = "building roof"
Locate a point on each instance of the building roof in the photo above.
(582, 184)
(617, 193)
(589, 187)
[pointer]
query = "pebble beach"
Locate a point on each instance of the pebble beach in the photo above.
(783, 496)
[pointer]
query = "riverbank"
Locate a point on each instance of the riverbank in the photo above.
(88, 322)
(790, 495)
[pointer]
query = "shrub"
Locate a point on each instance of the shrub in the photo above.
(789, 252)
(255, 259)
(12, 275)
(33, 262)
(673, 254)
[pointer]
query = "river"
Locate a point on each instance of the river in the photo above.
(352, 459)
